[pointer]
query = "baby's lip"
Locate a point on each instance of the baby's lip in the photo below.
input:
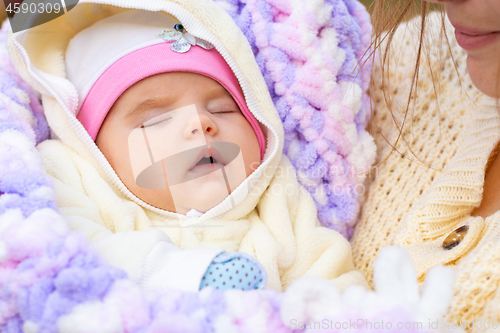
(207, 152)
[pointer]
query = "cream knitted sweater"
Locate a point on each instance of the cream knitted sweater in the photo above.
(415, 205)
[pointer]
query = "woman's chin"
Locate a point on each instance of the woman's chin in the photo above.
(484, 72)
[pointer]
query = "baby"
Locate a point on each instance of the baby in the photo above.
(191, 121)
(175, 153)
(175, 136)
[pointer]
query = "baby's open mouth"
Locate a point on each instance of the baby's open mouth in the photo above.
(188, 165)
(209, 161)
(206, 160)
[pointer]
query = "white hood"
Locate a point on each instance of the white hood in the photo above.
(38, 55)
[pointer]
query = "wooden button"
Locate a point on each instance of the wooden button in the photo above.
(455, 237)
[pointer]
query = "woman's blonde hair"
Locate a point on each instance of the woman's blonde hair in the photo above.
(387, 16)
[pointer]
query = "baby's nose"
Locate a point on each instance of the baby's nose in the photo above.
(200, 123)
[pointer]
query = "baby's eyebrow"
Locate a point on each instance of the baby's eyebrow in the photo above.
(148, 104)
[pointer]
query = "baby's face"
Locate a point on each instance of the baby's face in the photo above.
(179, 141)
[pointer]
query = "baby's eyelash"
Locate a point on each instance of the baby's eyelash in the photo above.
(158, 124)
(224, 111)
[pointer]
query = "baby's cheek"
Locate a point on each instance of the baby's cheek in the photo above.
(250, 151)
(160, 198)
(251, 156)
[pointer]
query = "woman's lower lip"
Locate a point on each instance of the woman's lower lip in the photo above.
(471, 42)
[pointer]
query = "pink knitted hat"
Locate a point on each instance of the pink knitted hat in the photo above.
(117, 63)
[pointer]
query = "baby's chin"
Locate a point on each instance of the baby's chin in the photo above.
(199, 195)
(205, 192)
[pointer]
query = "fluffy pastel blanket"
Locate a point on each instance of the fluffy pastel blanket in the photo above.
(52, 280)
(308, 52)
